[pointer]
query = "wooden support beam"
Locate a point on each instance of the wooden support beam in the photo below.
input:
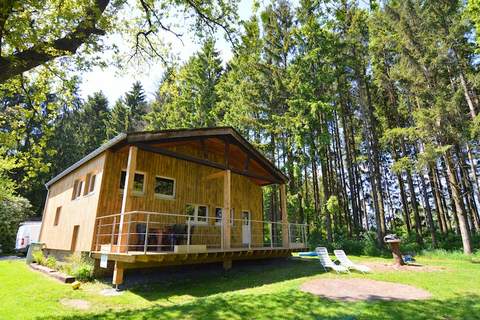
(122, 239)
(216, 175)
(227, 264)
(117, 273)
(227, 204)
(283, 210)
(247, 163)
(208, 163)
(226, 154)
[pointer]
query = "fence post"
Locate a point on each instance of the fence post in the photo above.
(146, 235)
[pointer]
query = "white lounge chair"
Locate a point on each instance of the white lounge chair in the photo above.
(326, 262)
(347, 263)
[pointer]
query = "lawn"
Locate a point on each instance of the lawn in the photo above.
(255, 290)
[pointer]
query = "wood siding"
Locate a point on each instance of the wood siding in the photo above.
(192, 187)
(80, 212)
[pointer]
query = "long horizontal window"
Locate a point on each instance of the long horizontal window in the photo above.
(164, 187)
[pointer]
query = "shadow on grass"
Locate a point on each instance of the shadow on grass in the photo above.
(205, 280)
(293, 304)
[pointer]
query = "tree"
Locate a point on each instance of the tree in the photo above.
(119, 119)
(186, 97)
(94, 115)
(136, 105)
(76, 27)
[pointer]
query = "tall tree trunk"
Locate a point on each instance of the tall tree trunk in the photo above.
(438, 204)
(457, 199)
(428, 210)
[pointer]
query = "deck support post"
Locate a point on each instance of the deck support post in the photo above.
(227, 264)
(227, 186)
(117, 274)
(126, 199)
(283, 210)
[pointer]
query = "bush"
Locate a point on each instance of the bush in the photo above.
(13, 211)
(38, 257)
(51, 262)
(79, 267)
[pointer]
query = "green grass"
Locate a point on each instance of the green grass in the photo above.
(248, 291)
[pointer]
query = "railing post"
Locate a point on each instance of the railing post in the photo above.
(99, 229)
(128, 230)
(304, 235)
(289, 235)
(271, 234)
(113, 230)
(146, 235)
(188, 234)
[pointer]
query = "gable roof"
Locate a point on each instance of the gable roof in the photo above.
(160, 136)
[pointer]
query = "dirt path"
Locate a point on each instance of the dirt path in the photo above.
(363, 290)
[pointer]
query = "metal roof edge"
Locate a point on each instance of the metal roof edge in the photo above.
(88, 157)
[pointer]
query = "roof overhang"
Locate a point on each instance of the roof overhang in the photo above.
(150, 137)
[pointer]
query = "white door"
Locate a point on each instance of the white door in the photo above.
(246, 229)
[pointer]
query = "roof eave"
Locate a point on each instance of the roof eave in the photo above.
(87, 158)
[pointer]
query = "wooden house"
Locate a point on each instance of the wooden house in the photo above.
(169, 197)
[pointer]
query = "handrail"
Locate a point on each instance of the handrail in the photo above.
(165, 234)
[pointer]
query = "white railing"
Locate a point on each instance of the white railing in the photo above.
(141, 231)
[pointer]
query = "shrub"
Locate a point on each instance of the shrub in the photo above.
(79, 267)
(13, 211)
(51, 262)
(38, 257)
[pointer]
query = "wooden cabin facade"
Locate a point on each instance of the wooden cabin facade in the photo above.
(169, 197)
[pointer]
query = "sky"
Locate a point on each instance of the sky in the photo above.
(114, 82)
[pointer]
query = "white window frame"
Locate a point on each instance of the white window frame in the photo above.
(195, 214)
(217, 223)
(77, 192)
(165, 196)
(90, 176)
(134, 192)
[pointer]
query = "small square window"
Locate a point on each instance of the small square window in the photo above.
(165, 187)
(138, 182)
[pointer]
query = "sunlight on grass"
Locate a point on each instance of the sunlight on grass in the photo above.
(264, 291)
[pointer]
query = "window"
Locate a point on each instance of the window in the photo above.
(138, 182)
(198, 212)
(123, 177)
(77, 189)
(164, 187)
(90, 183)
(219, 213)
(57, 216)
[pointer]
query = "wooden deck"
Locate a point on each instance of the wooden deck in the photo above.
(140, 259)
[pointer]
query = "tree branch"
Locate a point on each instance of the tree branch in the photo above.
(43, 52)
